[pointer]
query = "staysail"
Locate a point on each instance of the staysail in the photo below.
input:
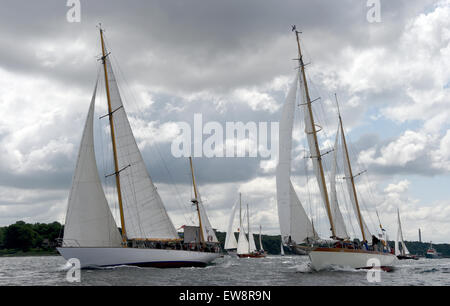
(339, 224)
(294, 222)
(208, 231)
(89, 221)
(230, 239)
(144, 212)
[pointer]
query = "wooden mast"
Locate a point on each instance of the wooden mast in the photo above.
(195, 201)
(352, 178)
(314, 132)
(111, 124)
(248, 229)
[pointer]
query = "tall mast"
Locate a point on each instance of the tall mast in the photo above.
(248, 229)
(314, 132)
(352, 178)
(195, 201)
(111, 124)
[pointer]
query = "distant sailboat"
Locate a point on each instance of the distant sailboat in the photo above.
(148, 236)
(261, 248)
(246, 248)
(403, 252)
(281, 249)
(296, 227)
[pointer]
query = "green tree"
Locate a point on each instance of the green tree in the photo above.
(21, 236)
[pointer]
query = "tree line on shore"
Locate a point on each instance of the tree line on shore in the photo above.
(22, 237)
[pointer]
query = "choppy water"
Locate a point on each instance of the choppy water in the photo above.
(227, 271)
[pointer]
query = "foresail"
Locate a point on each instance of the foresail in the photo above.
(144, 211)
(339, 224)
(242, 247)
(230, 239)
(89, 221)
(294, 222)
(208, 231)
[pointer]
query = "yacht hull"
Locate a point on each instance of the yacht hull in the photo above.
(104, 257)
(323, 258)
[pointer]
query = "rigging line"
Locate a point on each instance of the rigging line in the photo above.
(134, 100)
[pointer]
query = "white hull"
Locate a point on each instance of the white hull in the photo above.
(102, 257)
(323, 258)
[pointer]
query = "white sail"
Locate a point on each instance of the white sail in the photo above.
(230, 239)
(251, 239)
(404, 250)
(243, 246)
(348, 175)
(261, 248)
(294, 222)
(144, 212)
(339, 225)
(208, 232)
(282, 249)
(89, 221)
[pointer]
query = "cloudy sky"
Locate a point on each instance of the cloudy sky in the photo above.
(231, 61)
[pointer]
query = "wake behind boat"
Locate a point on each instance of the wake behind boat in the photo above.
(297, 229)
(148, 236)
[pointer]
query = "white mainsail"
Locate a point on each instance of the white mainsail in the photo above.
(294, 222)
(339, 224)
(404, 250)
(89, 221)
(144, 212)
(230, 239)
(350, 187)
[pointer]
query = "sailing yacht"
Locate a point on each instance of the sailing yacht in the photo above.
(296, 227)
(403, 252)
(246, 248)
(147, 236)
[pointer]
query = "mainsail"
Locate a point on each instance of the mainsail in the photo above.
(404, 250)
(208, 232)
(230, 239)
(294, 222)
(144, 213)
(89, 221)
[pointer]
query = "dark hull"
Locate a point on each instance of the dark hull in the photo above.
(251, 255)
(401, 257)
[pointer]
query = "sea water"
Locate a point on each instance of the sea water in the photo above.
(226, 271)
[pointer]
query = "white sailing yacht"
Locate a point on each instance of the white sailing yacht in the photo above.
(148, 236)
(403, 252)
(246, 248)
(295, 225)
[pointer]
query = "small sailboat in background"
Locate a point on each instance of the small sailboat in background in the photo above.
(403, 252)
(295, 225)
(261, 248)
(148, 236)
(246, 248)
(281, 249)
